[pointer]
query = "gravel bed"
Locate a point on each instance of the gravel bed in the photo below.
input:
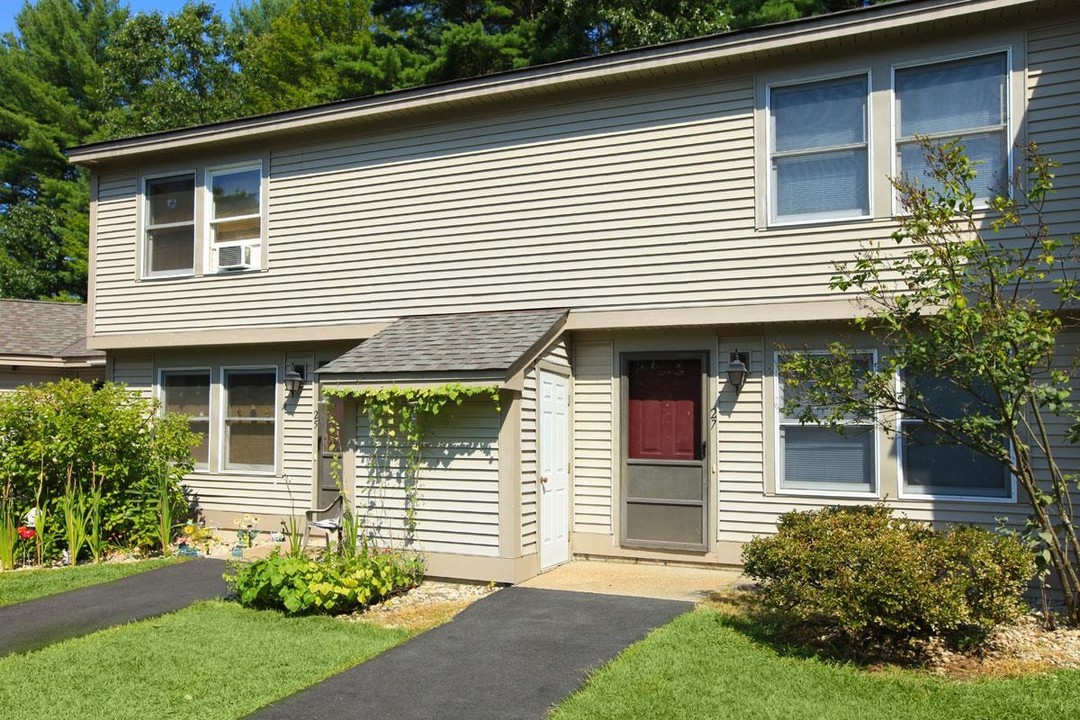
(1029, 642)
(432, 592)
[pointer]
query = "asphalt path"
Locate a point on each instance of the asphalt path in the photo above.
(510, 656)
(37, 623)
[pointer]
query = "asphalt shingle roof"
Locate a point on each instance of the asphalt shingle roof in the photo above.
(469, 342)
(44, 329)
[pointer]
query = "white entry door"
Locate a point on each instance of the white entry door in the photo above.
(554, 479)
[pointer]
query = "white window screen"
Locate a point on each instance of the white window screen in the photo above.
(819, 161)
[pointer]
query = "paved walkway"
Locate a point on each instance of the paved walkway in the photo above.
(510, 656)
(35, 624)
(668, 582)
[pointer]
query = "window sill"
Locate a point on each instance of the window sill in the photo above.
(245, 473)
(811, 223)
(960, 498)
(158, 277)
(804, 492)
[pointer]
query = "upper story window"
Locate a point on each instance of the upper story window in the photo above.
(235, 217)
(965, 100)
(208, 220)
(170, 225)
(820, 460)
(819, 159)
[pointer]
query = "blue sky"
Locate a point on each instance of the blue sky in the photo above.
(10, 8)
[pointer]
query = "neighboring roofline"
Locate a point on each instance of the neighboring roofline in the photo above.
(50, 361)
(626, 62)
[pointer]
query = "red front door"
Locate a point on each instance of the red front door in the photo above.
(664, 452)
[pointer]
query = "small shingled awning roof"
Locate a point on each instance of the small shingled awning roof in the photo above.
(468, 347)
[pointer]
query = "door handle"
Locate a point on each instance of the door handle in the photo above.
(543, 480)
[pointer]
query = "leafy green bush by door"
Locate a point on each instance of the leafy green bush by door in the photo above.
(871, 583)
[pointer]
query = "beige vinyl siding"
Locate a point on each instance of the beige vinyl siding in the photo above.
(593, 436)
(1053, 90)
(11, 379)
(739, 429)
(298, 437)
(559, 356)
(115, 254)
(529, 461)
(586, 202)
(458, 488)
(1066, 454)
(137, 372)
(286, 492)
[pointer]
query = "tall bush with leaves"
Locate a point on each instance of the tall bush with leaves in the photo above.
(108, 447)
(976, 296)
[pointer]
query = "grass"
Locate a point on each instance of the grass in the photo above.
(707, 664)
(211, 661)
(23, 585)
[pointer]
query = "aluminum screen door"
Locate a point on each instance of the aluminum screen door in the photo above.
(663, 485)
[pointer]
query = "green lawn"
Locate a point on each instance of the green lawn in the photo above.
(702, 666)
(212, 660)
(23, 585)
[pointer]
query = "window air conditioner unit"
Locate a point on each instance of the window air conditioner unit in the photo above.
(234, 257)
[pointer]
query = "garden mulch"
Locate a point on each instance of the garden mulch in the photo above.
(31, 625)
(509, 656)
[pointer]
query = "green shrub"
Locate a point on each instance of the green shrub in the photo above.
(106, 448)
(332, 584)
(875, 584)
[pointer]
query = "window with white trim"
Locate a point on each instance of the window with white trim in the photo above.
(169, 247)
(965, 100)
(249, 422)
(818, 459)
(933, 465)
(215, 214)
(187, 392)
(819, 158)
(234, 215)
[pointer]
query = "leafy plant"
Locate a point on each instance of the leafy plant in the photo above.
(290, 528)
(9, 528)
(333, 584)
(95, 538)
(872, 582)
(74, 507)
(397, 418)
(109, 439)
(977, 298)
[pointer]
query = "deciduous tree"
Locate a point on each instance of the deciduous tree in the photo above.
(974, 302)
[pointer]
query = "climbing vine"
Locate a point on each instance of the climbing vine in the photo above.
(397, 418)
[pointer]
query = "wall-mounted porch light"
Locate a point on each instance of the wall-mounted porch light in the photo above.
(738, 369)
(294, 379)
